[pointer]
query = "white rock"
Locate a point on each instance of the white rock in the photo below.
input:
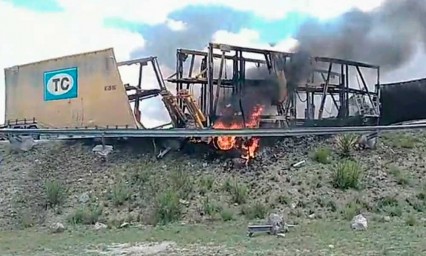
(331, 246)
(99, 226)
(57, 228)
(359, 222)
(312, 216)
(387, 218)
(84, 198)
(124, 225)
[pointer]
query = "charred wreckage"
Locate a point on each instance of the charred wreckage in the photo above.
(252, 92)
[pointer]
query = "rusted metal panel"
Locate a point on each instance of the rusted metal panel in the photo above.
(82, 90)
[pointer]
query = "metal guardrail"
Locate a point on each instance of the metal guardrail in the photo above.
(178, 133)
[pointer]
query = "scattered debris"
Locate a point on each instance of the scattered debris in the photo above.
(163, 152)
(103, 151)
(368, 141)
(359, 222)
(275, 225)
(136, 249)
(57, 228)
(299, 164)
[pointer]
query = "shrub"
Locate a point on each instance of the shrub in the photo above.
(255, 211)
(390, 206)
(85, 215)
(227, 215)
(322, 155)
(120, 193)
(347, 175)
(181, 182)
(345, 144)
(351, 210)
(168, 208)
(209, 207)
(55, 193)
(239, 193)
(206, 184)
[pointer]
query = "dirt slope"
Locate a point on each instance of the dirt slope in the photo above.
(132, 187)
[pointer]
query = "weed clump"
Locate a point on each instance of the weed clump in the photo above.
(401, 177)
(345, 144)
(255, 211)
(209, 207)
(227, 215)
(120, 193)
(239, 193)
(206, 184)
(322, 155)
(390, 206)
(86, 215)
(55, 193)
(168, 208)
(351, 210)
(347, 175)
(182, 182)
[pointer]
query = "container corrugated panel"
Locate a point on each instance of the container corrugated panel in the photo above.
(402, 102)
(82, 90)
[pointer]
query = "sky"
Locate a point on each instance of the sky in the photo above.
(33, 30)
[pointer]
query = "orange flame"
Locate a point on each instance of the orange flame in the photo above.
(247, 146)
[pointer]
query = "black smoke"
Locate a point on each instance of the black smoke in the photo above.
(387, 36)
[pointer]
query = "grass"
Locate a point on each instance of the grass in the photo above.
(347, 174)
(402, 178)
(403, 141)
(394, 238)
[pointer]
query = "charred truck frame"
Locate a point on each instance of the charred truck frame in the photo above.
(317, 79)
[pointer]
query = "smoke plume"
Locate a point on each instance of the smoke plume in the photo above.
(200, 24)
(387, 36)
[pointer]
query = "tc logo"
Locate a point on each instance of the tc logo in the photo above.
(61, 84)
